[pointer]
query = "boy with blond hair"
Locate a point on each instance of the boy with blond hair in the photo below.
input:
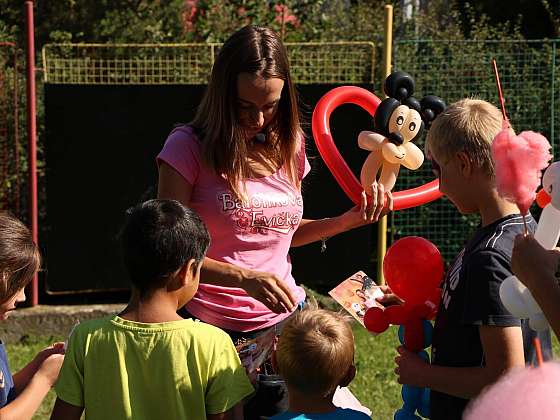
(315, 355)
(475, 338)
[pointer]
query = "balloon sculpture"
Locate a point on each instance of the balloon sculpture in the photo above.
(335, 162)
(398, 121)
(514, 295)
(413, 268)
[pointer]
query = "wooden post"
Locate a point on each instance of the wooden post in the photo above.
(387, 52)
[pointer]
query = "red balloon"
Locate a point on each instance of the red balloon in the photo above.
(375, 320)
(335, 162)
(413, 268)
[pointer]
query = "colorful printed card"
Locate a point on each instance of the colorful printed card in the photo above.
(256, 351)
(356, 294)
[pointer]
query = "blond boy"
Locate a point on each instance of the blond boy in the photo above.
(475, 338)
(315, 355)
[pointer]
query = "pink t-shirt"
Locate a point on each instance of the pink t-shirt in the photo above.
(256, 235)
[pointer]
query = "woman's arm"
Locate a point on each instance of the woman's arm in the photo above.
(265, 287)
(315, 230)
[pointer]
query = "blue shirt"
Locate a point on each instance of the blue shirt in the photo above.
(7, 391)
(340, 413)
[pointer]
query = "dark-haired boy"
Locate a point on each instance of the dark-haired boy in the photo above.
(148, 362)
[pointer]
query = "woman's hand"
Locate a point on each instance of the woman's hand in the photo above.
(532, 264)
(269, 290)
(369, 213)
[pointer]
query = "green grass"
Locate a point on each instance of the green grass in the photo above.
(375, 384)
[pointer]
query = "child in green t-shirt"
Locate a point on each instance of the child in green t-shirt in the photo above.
(148, 362)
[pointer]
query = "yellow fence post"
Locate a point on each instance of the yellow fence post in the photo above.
(382, 224)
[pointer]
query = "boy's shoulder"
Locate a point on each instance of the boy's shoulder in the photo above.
(498, 237)
(198, 330)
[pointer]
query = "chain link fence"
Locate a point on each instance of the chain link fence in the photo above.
(157, 64)
(458, 69)
(10, 147)
(450, 69)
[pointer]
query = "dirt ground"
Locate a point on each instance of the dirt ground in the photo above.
(47, 320)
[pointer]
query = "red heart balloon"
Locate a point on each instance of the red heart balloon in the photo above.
(335, 162)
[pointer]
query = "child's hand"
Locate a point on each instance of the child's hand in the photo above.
(410, 368)
(532, 264)
(389, 298)
(55, 348)
(50, 367)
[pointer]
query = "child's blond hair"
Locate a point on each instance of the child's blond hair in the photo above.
(468, 126)
(315, 351)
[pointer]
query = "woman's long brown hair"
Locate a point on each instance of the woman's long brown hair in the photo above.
(260, 52)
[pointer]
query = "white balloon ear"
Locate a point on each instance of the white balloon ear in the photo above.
(520, 302)
(512, 296)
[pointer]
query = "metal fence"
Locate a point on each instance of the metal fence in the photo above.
(458, 69)
(156, 64)
(450, 69)
(10, 147)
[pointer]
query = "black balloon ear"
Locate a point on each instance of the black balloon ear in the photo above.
(399, 85)
(432, 106)
(413, 103)
(383, 114)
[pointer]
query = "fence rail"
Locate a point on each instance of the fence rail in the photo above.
(450, 69)
(10, 170)
(138, 64)
(458, 69)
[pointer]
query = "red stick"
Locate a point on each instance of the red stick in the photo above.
(537, 344)
(500, 93)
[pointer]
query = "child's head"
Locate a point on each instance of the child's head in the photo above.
(315, 352)
(459, 146)
(250, 91)
(163, 240)
(19, 262)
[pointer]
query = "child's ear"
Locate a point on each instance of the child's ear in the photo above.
(188, 271)
(346, 379)
(465, 163)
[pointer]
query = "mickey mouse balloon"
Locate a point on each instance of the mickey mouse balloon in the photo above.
(398, 120)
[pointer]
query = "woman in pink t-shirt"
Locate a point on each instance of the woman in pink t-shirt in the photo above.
(239, 164)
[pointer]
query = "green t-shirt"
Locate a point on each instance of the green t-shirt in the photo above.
(120, 369)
